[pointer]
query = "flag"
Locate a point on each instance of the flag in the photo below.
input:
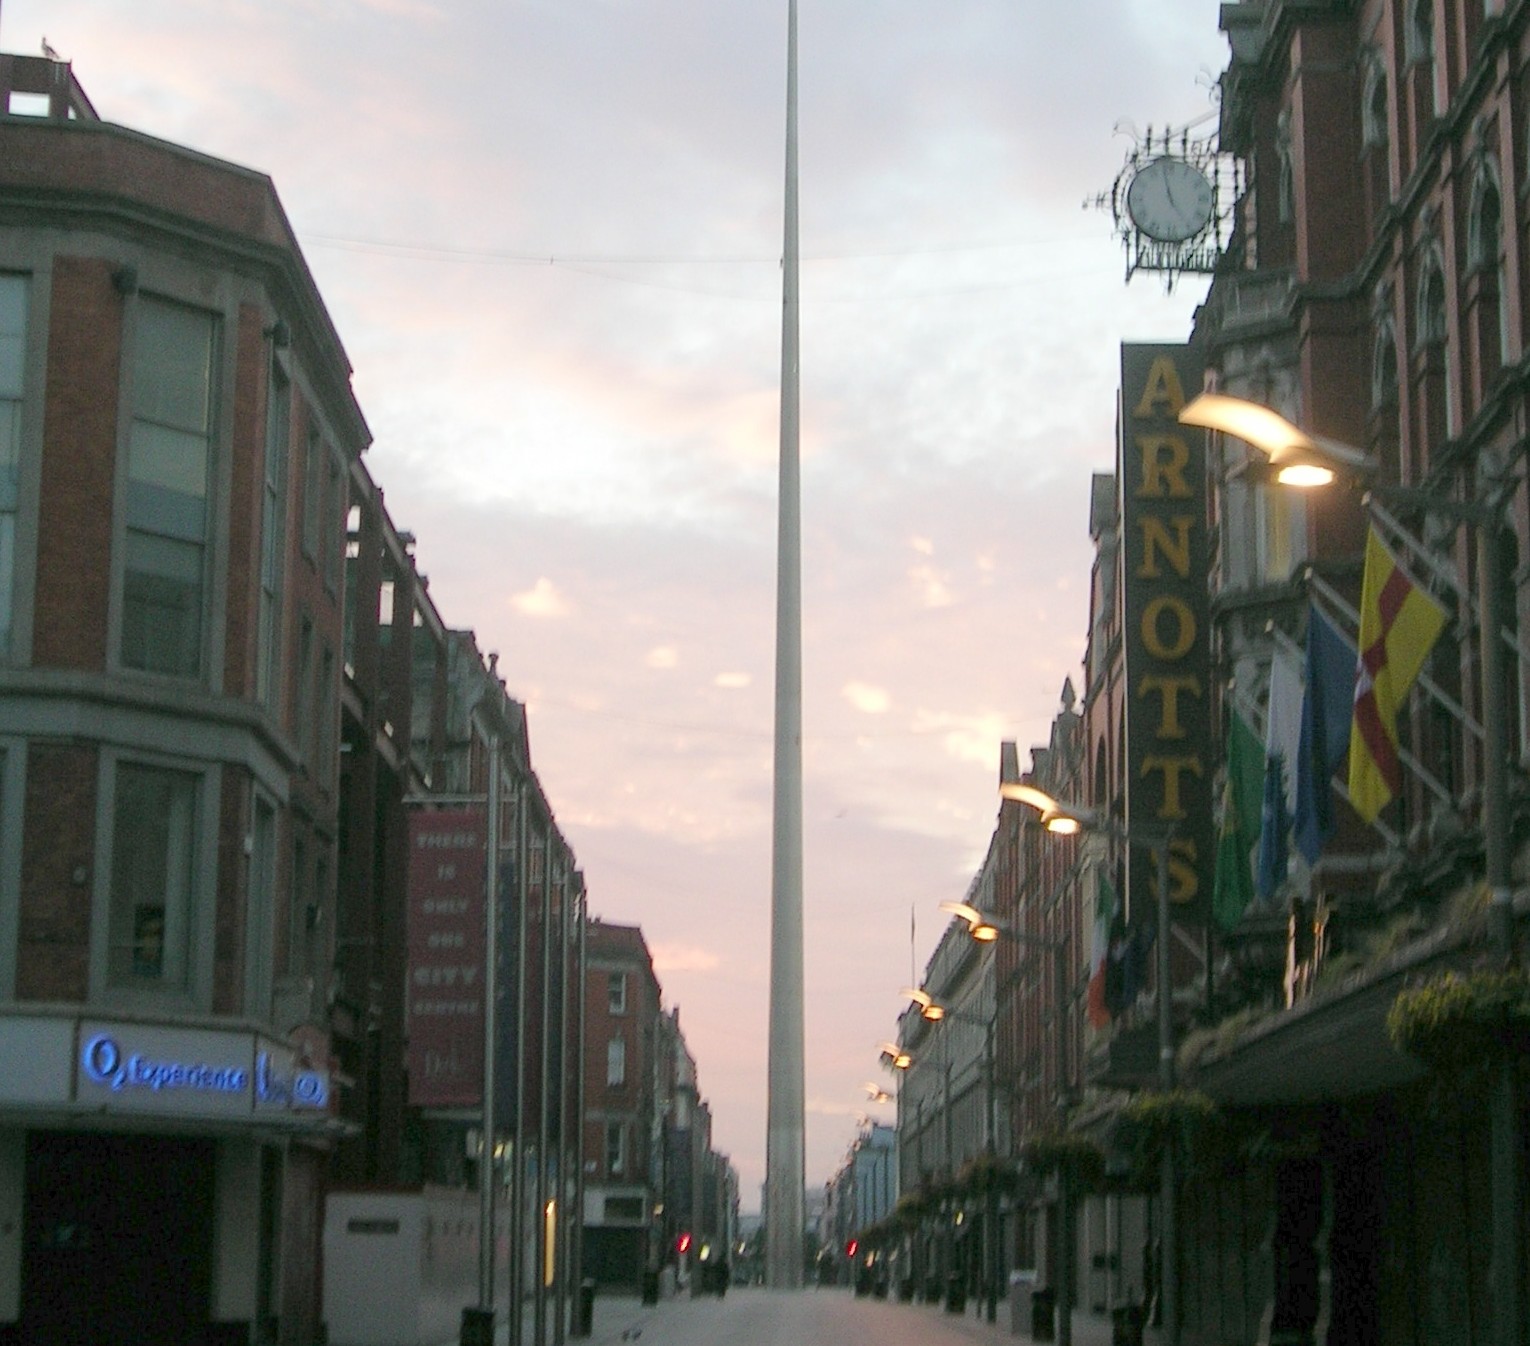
(1327, 708)
(1399, 624)
(1282, 742)
(1099, 949)
(1274, 824)
(1233, 885)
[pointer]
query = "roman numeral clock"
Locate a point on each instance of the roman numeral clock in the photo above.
(1167, 203)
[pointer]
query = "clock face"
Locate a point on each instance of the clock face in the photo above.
(1169, 200)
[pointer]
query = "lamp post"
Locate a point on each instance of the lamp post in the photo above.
(985, 928)
(1066, 819)
(1281, 441)
(935, 1012)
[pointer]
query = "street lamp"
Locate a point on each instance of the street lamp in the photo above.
(1278, 438)
(985, 927)
(1066, 819)
(935, 1012)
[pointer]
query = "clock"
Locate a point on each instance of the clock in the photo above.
(1170, 200)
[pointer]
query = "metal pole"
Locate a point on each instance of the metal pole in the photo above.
(1508, 1325)
(561, 1190)
(539, 1300)
(518, 1139)
(1065, 1250)
(487, 1120)
(991, 1144)
(784, 1168)
(576, 1147)
(1168, 1254)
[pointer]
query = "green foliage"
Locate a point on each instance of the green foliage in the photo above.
(1079, 1158)
(985, 1173)
(1457, 1022)
(1184, 1118)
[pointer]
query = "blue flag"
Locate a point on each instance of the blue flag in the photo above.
(1327, 712)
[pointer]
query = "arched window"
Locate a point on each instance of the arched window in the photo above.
(1421, 31)
(1384, 365)
(1285, 206)
(1374, 110)
(1432, 326)
(1484, 231)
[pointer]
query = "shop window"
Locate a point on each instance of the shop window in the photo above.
(13, 343)
(168, 470)
(154, 855)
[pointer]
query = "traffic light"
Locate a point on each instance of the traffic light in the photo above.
(683, 1243)
(852, 1247)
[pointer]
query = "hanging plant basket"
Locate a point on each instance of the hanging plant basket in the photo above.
(987, 1174)
(1457, 1022)
(1184, 1118)
(1079, 1158)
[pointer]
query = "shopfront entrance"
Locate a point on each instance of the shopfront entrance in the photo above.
(118, 1237)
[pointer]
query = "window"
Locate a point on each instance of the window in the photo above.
(302, 728)
(616, 1062)
(329, 708)
(261, 915)
(313, 484)
(1374, 129)
(616, 1149)
(268, 652)
(616, 992)
(154, 825)
(169, 451)
(334, 538)
(297, 922)
(13, 344)
(1384, 366)
(1431, 302)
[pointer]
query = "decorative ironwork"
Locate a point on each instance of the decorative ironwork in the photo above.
(1200, 253)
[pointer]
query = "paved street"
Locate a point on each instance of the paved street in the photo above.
(823, 1317)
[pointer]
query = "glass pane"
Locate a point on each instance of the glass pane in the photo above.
(162, 605)
(172, 460)
(13, 333)
(7, 576)
(172, 365)
(152, 863)
(10, 435)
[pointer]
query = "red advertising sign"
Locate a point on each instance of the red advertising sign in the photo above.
(446, 957)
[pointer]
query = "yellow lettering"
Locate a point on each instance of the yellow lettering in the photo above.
(1164, 460)
(1163, 394)
(1169, 689)
(1184, 877)
(1172, 768)
(1184, 635)
(1156, 541)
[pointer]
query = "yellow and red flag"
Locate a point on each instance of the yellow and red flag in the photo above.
(1399, 624)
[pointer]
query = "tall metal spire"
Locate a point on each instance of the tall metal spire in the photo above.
(784, 1171)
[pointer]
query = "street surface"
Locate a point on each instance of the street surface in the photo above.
(826, 1317)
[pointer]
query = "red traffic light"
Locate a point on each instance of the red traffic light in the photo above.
(683, 1243)
(852, 1247)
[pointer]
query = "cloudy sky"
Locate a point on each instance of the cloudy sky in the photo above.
(548, 232)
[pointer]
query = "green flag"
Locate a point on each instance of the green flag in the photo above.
(1233, 889)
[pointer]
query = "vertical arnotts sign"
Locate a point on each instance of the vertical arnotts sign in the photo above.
(1169, 761)
(446, 949)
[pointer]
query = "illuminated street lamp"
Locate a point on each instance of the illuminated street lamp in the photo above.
(1281, 441)
(1296, 457)
(894, 1057)
(1066, 819)
(985, 927)
(929, 1007)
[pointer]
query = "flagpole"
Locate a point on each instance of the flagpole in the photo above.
(784, 1168)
